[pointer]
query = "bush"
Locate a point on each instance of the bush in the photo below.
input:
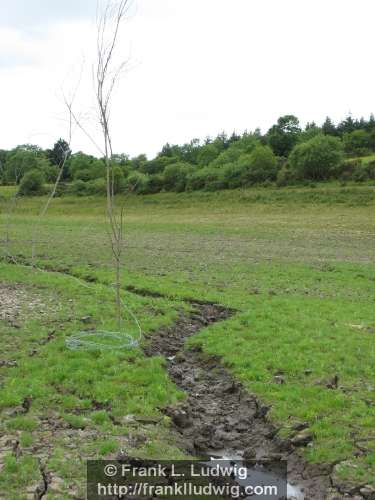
(155, 166)
(31, 183)
(136, 183)
(317, 158)
(286, 176)
(360, 174)
(118, 179)
(97, 186)
(370, 167)
(50, 172)
(244, 146)
(207, 154)
(262, 165)
(208, 178)
(346, 169)
(78, 188)
(83, 175)
(233, 174)
(154, 184)
(85, 167)
(175, 176)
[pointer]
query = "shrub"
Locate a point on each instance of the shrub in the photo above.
(207, 154)
(31, 183)
(154, 184)
(50, 173)
(85, 167)
(175, 176)
(97, 186)
(83, 175)
(233, 175)
(136, 182)
(246, 145)
(286, 176)
(346, 169)
(208, 178)
(78, 188)
(155, 166)
(360, 174)
(118, 179)
(317, 158)
(370, 167)
(262, 165)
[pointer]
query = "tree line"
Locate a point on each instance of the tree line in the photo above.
(285, 154)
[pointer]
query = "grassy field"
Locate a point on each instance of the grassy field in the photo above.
(298, 266)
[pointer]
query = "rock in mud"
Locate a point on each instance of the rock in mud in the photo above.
(8, 363)
(179, 417)
(302, 438)
(249, 454)
(300, 426)
(368, 492)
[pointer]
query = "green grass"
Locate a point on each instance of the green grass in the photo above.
(366, 159)
(297, 264)
(66, 387)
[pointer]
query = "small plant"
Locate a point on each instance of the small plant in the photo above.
(76, 421)
(107, 447)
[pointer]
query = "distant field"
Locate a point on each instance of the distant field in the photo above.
(298, 264)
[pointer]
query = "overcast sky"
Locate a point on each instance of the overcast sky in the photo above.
(197, 67)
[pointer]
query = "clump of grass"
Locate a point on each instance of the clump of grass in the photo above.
(22, 423)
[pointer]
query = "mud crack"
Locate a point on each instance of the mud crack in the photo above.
(42, 488)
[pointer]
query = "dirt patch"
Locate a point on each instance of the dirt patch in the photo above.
(219, 417)
(17, 302)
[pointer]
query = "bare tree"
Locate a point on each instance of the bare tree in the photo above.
(106, 73)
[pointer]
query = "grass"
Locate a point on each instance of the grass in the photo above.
(66, 387)
(366, 159)
(297, 264)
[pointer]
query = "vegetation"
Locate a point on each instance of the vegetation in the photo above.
(286, 154)
(31, 183)
(295, 263)
(317, 158)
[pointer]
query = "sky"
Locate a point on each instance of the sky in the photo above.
(196, 68)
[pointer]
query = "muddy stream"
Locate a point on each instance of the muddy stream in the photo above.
(219, 418)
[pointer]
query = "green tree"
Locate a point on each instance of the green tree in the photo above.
(156, 166)
(317, 158)
(328, 127)
(3, 159)
(283, 136)
(86, 167)
(19, 161)
(357, 142)
(207, 153)
(60, 153)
